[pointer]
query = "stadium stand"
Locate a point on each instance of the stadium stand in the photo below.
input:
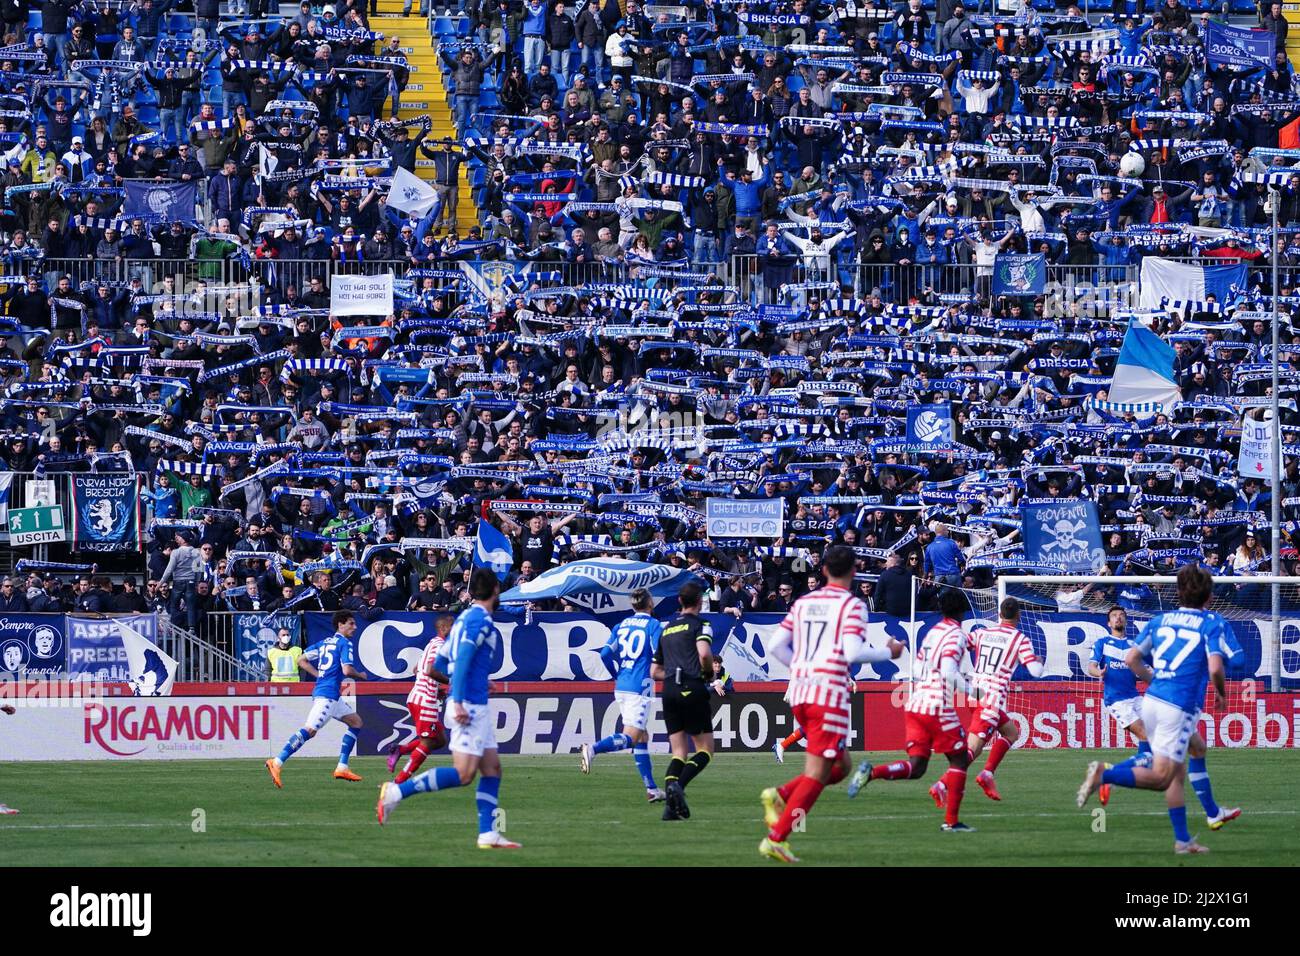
(650, 255)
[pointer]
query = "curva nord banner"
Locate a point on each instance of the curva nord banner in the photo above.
(107, 512)
(555, 646)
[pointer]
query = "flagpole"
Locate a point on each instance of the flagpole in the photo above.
(1275, 498)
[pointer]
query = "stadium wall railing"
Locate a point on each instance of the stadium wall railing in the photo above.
(1093, 289)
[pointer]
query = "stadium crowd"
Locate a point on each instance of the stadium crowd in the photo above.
(867, 163)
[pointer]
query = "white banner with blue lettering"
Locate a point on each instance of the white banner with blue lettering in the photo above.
(1067, 535)
(745, 517)
(553, 646)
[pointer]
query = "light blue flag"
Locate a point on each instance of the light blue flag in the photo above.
(492, 550)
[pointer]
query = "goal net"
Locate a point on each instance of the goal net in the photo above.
(1065, 616)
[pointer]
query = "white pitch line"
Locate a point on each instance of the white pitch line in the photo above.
(864, 818)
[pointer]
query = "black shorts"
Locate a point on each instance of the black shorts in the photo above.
(689, 712)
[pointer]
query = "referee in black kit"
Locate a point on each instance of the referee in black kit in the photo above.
(684, 662)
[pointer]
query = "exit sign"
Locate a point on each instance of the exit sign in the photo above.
(36, 525)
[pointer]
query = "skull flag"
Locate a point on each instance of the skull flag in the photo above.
(1067, 535)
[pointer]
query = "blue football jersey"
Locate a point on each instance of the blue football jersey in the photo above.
(329, 656)
(1180, 644)
(630, 648)
(1118, 682)
(468, 652)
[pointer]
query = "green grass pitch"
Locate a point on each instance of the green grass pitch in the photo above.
(147, 813)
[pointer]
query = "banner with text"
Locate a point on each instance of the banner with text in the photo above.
(553, 646)
(745, 518)
(107, 512)
(95, 649)
(32, 644)
(361, 295)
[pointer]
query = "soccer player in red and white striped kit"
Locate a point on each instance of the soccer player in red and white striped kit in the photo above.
(999, 650)
(822, 636)
(931, 722)
(424, 706)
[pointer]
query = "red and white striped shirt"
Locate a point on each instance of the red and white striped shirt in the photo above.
(999, 650)
(933, 694)
(425, 691)
(818, 624)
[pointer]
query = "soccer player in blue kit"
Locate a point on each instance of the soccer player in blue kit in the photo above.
(1120, 695)
(1188, 649)
(467, 658)
(329, 661)
(630, 647)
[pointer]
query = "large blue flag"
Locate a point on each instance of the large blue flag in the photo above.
(492, 550)
(172, 202)
(603, 584)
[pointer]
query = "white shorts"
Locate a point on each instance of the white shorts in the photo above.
(1126, 712)
(323, 710)
(474, 737)
(1169, 730)
(634, 707)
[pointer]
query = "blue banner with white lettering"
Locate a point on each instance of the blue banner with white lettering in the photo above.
(1238, 48)
(95, 650)
(1067, 535)
(255, 633)
(930, 424)
(107, 512)
(32, 645)
(1015, 274)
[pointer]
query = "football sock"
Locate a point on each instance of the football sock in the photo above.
(641, 754)
(293, 745)
(442, 778)
(956, 782)
(806, 792)
(413, 764)
(675, 767)
(486, 801)
(407, 747)
(898, 770)
(345, 751)
(1120, 776)
(793, 739)
(611, 743)
(695, 766)
(1200, 780)
(787, 789)
(1178, 817)
(996, 753)
(1142, 756)
(838, 773)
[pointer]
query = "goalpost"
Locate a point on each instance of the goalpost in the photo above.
(1261, 599)
(1064, 615)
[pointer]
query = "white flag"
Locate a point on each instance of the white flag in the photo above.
(152, 671)
(1256, 458)
(410, 194)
